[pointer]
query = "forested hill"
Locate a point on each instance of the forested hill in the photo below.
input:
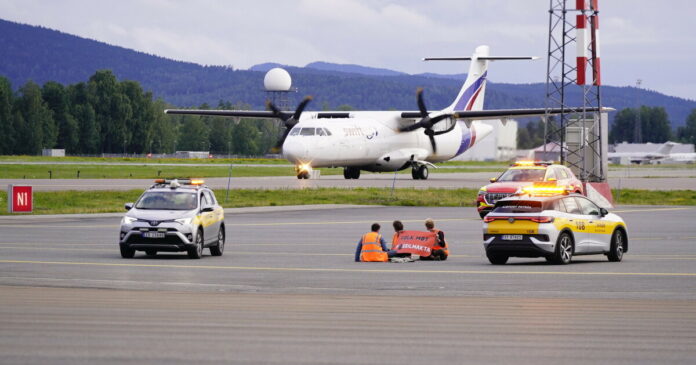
(41, 55)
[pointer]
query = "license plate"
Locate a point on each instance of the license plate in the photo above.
(511, 237)
(153, 234)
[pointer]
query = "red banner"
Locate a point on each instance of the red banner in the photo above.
(416, 242)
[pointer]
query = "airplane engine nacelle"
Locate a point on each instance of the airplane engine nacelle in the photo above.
(393, 161)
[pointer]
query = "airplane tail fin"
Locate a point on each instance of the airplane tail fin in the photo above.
(666, 148)
(471, 95)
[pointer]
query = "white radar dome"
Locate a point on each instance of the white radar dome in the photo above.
(277, 79)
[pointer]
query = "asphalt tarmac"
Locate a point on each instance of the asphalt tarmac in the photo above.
(287, 291)
(624, 178)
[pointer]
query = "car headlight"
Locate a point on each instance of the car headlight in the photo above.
(128, 220)
(184, 221)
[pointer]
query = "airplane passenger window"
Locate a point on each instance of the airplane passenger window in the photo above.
(295, 131)
(307, 132)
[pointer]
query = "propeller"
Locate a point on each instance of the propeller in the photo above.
(427, 122)
(289, 119)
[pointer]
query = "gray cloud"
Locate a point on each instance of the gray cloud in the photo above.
(640, 39)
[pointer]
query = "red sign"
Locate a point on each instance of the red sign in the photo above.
(20, 199)
(416, 242)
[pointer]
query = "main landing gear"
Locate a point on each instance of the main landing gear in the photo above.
(351, 172)
(420, 172)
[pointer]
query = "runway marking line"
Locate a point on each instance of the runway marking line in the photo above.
(212, 267)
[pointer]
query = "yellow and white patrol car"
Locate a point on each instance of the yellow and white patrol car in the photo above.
(551, 223)
(174, 215)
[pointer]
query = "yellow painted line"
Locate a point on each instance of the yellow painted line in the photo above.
(303, 269)
(650, 210)
(349, 222)
(35, 226)
(258, 253)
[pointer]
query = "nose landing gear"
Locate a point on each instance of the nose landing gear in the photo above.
(303, 171)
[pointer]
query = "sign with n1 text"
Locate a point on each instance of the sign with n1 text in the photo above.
(416, 242)
(20, 199)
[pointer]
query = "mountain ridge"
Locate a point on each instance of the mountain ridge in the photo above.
(41, 54)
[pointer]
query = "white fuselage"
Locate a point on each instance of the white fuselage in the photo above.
(371, 141)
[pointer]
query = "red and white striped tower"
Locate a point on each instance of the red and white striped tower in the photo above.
(594, 22)
(587, 41)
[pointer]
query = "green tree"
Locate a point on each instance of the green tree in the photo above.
(193, 134)
(83, 112)
(7, 131)
(39, 129)
(654, 124)
(163, 129)
(102, 87)
(56, 98)
(687, 133)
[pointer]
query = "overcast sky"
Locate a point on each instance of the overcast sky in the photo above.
(640, 39)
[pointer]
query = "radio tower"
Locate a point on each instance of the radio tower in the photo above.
(578, 134)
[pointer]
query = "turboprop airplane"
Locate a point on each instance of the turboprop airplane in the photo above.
(381, 141)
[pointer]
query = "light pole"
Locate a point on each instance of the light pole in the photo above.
(637, 131)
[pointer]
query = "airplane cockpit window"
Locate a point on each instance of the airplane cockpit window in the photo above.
(294, 131)
(328, 132)
(321, 132)
(307, 132)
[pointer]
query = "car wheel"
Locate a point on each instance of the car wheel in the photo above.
(151, 252)
(196, 251)
(127, 252)
(616, 249)
(220, 246)
(497, 259)
(564, 249)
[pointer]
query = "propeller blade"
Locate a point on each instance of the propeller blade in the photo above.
(279, 145)
(421, 103)
(431, 135)
(411, 127)
(301, 107)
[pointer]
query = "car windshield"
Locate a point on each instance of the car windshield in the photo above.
(517, 206)
(167, 200)
(523, 175)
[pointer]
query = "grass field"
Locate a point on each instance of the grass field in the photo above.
(67, 202)
(107, 171)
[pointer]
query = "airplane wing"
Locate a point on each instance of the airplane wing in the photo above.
(224, 113)
(508, 113)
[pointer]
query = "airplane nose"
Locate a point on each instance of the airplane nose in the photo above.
(295, 151)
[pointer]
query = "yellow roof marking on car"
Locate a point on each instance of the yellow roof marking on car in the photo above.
(318, 269)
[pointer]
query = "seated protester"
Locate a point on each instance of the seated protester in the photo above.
(398, 229)
(442, 252)
(372, 247)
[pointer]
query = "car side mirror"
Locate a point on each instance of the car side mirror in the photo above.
(128, 206)
(493, 179)
(207, 209)
(603, 212)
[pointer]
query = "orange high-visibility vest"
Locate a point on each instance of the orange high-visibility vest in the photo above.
(395, 240)
(371, 248)
(438, 247)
